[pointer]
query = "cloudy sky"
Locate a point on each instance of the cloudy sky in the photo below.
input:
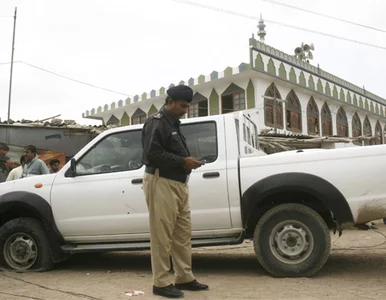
(133, 47)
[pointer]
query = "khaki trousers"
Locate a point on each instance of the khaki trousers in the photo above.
(170, 229)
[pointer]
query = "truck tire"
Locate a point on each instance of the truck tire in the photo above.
(24, 246)
(292, 240)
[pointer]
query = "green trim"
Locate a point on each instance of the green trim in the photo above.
(282, 72)
(348, 97)
(259, 62)
(153, 110)
(309, 89)
(271, 67)
(292, 75)
(99, 109)
(214, 103)
(311, 83)
(201, 79)
(377, 109)
(355, 101)
(320, 86)
(367, 105)
(302, 79)
(128, 101)
(228, 72)
(327, 89)
(144, 96)
(250, 95)
(372, 107)
(162, 91)
(182, 82)
(243, 67)
(112, 105)
(360, 102)
(341, 96)
(291, 61)
(125, 120)
(335, 92)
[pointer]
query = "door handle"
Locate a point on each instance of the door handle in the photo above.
(136, 181)
(211, 174)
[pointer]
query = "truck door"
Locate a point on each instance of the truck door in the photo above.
(208, 184)
(105, 197)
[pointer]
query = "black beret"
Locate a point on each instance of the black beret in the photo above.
(181, 92)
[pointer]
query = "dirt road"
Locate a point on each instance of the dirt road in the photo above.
(231, 272)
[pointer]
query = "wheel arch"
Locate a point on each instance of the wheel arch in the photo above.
(302, 188)
(25, 204)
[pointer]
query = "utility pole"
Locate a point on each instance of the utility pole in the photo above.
(275, 100)
(10, 80)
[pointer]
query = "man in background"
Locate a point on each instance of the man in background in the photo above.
(33, 165)
(4, 160)
(17, 173)
(54, 165)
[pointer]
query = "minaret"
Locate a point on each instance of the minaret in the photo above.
(261, 33)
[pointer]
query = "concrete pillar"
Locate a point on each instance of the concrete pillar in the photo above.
(349, 114)
(334, 110)
(304, 121)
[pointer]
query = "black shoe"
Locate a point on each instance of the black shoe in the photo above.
(169, 291)
(192, 286)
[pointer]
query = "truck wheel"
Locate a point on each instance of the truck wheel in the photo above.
(24, 246)
(292, 240)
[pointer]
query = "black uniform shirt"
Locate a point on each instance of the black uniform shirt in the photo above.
(164, 146)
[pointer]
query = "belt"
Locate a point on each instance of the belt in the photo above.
(183, 178)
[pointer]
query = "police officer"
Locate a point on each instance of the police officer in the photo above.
(165, 183)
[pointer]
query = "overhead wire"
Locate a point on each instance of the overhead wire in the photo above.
(323, 15)
(278, 23)
(66, 77)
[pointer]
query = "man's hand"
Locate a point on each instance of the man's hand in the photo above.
(192, 163)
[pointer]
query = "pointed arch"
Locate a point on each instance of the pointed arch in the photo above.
(259, 64)
(384, 134)
(312, 117)
(367, 130)
(302, 79)
(378, 134)
(271, 69)
(311, 83)
(113, 121)
(125, 120)
(292, 75)
(233, 99)
(282, 71)
(293, 112)
(326, 120)
(356, 126)
(367, 127)
(198, 107)
(269, 104)
(341, 122)
(152, 111)
(139, 117)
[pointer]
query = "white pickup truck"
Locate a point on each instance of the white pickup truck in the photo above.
(286, 202)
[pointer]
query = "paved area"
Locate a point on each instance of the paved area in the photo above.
(355, 270)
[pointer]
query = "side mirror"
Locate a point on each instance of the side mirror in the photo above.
(72, 171)
(73, 165)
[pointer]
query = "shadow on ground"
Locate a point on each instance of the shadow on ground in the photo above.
(234, 264)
